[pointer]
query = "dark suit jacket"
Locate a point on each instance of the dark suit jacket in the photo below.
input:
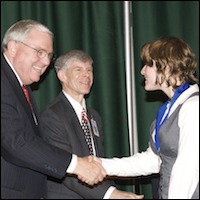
(63, 129)
(26, 159)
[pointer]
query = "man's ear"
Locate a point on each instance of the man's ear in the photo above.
(61, 75)
(12, 48)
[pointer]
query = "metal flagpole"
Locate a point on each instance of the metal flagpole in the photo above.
(130, 77)
(130, 82)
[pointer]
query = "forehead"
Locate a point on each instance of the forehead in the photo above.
(79, 63)
(40, 38)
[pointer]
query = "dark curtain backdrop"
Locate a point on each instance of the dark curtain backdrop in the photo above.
(98, 28)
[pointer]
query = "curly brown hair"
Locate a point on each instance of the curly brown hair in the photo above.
(173, 53)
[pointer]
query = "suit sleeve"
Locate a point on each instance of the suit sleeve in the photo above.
(21, 142)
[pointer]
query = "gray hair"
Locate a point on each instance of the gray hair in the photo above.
(20, 31)
(64, 60)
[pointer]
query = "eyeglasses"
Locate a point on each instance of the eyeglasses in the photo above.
(41, 53)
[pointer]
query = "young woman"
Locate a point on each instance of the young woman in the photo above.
(169, 66)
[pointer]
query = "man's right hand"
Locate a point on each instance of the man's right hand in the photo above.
(89, 171)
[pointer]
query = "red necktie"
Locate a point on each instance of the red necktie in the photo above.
(86, 130)
(27, 96)
(29, 102)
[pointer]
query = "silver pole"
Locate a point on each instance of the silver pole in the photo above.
(130, 78)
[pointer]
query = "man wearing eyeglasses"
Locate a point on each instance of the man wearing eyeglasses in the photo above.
(26, 159)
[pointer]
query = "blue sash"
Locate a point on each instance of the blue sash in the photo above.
(162, 110)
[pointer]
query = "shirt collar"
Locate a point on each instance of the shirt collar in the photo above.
(18, 78)
(76, 105)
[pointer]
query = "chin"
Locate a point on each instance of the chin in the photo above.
(36, 79)
(147, 88)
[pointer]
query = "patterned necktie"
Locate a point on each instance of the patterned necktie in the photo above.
(86, 130)
(27, 96)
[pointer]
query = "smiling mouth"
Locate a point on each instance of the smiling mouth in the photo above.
(38, 69)
(85, 82)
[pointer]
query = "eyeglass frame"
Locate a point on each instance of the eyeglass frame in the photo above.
(40, 52)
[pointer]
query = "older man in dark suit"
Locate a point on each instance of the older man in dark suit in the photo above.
(26, 159)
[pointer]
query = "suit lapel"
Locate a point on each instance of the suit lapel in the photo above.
(13, 81)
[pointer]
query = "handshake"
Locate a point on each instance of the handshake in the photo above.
(90, 170)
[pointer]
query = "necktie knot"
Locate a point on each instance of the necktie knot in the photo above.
(84, 116)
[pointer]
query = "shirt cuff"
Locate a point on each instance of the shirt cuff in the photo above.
(72, 165)
(109, 192)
